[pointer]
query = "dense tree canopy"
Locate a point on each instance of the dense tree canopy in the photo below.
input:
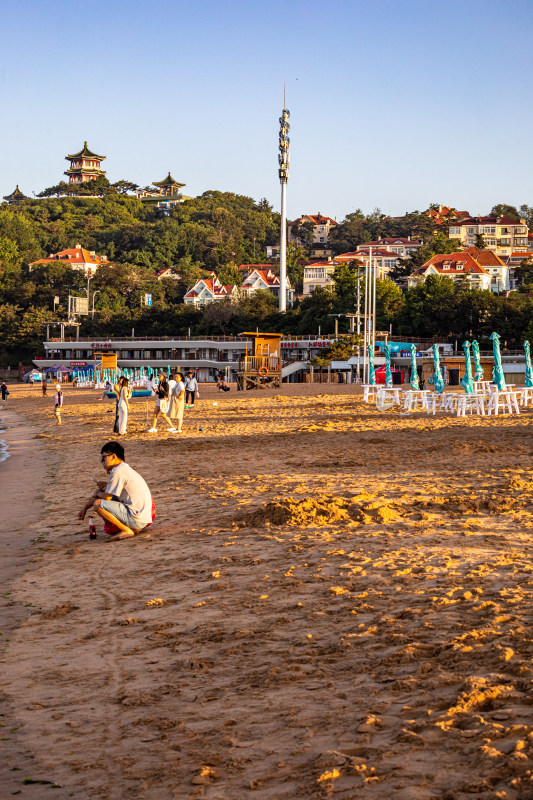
(217, 231)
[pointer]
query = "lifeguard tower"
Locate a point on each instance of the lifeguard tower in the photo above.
(261, 368)
(105, 361)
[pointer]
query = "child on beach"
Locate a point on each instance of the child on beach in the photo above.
(58, 403)
(124, 502)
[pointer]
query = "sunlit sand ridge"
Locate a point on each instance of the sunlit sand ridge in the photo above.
(333, 601)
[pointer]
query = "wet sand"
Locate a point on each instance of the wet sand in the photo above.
(333, 601)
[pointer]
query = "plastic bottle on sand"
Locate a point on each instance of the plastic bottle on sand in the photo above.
(92, 528)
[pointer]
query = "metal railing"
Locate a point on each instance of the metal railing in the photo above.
(254, 363)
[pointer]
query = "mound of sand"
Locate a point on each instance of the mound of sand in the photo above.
(323, 510)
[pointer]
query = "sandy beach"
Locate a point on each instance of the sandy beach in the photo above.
(333, 602)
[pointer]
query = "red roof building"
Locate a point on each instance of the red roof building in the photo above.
(208, 290)
(77, 258)
(503, 235)
(457, 266)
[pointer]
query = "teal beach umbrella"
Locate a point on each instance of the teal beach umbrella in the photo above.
(371, 370)
(437, 379)
(497, 372)
(466, 380)
(414, 372)
(388, 373)
(478, 369)
(529, 369)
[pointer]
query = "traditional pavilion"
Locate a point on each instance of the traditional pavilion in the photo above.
(169, 187)
(15, 197)
(84, 166)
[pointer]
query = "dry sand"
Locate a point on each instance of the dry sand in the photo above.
(333, 601)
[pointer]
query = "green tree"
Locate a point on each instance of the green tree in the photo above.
(504, 210)
(480, 241)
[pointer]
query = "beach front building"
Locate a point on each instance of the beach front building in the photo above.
(456, 266)
(84, 166)
(77, 258)
(502, 235)
(208, 290)
(207, 355)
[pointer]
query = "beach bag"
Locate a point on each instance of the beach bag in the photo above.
(164, 404)
(111, 529)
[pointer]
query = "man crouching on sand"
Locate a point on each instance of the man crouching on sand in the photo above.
(125, 502)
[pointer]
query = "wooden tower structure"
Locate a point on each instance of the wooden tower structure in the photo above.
(261, 368)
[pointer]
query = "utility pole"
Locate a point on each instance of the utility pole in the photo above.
(283, 160)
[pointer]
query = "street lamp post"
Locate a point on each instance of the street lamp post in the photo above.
(94, 295)
(283, 160)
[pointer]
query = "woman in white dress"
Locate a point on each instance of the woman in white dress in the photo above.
(123, 406)
(177, 401)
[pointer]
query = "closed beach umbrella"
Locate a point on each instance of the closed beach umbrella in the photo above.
(414, 372)
(371, 370)
(529, 369)
(497, 372)
(437, 379)
(388, 373)
(478, 369)
(466, 380)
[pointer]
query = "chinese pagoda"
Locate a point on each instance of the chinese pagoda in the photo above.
(169, 186)
(84, 166)
(15, 197)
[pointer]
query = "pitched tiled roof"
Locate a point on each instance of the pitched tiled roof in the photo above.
(74, 255)
(453, 264)
(485, 221)
(316, 219)
(485, 257)
(85, 153)
(168, 181)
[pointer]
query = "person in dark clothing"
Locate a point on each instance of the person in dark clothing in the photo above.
(4, 390)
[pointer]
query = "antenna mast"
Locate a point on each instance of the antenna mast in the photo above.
(283, 160)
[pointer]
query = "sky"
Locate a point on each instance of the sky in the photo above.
(394, 103)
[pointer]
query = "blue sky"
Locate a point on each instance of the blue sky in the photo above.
(393, 104)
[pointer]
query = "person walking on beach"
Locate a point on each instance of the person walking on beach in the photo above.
(3, 389)
(123, 405)
(123, 501)
(58, 399)
(191, 390)
(161, 405)
(44, 386)
(177, 401)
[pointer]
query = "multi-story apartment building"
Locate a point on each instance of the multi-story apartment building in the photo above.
(404, 247)
(321, 227)
(502, 235)
(319, 273)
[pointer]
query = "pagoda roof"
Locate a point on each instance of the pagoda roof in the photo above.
(168, 181)
(15, 195)
(85, 152)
